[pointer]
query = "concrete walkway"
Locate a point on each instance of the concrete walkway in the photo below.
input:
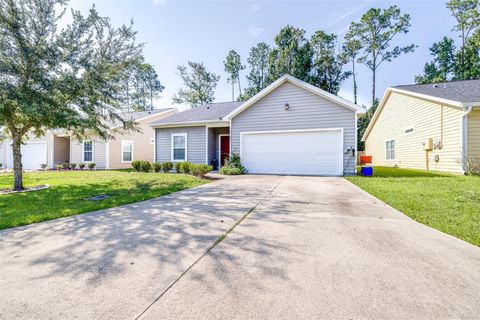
(310, 248)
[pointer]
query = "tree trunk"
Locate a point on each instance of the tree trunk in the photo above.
(354, 82)
(239, 86)
(233, 91)
(463, 54)
(17, 163)
(373, 87)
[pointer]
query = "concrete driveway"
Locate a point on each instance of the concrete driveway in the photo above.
(310, 248)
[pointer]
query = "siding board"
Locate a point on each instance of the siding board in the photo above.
(474, 134)
(196, 143)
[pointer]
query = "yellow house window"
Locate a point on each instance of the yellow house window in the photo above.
(390, 149)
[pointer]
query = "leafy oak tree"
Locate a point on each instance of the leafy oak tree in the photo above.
(375, 32)
(441, 68)
(233, 66)
(327, 65)
(199, 85)
(292, 55)
(258, 75)
(70, 78)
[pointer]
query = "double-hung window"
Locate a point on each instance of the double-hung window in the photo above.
(179, 147)
(127, 150)
(390, 149)
(87, 151)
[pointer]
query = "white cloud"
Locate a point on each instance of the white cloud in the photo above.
(255, 31)
(255, 7)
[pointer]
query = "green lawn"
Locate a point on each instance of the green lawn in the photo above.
(449, 203)
(68, 192)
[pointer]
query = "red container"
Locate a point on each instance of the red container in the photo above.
(365, 159)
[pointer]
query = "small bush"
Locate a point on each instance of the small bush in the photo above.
(81, 166)
(137, 165)
(59, 167)
(473, 166)
(200, 170)
(91, 165)
(230, 171)
(167, 167)
(73, 166)
(145, 166)
(177, 166)
(157, 167)
(66, 166)
(233, 166)
(185, 167)
(43, 166)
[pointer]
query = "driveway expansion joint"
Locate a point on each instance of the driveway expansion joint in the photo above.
(219, 239)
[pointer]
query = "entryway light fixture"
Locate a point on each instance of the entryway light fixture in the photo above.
(287, 106)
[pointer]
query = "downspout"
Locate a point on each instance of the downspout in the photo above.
(465, 114)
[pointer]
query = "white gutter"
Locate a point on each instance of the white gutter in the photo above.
(468, 110)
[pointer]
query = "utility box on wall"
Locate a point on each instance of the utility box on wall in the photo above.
(428, 144)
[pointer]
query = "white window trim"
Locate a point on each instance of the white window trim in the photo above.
(186, 146)
(123, 145)
(408, 128)
(220, 146)
(394, 149)
(83, 151)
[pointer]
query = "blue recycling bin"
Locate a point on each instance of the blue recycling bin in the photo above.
(367, 171)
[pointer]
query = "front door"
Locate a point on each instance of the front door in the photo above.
(224, 149)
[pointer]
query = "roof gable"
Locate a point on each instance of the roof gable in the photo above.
(287, 78)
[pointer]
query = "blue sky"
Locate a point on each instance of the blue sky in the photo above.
(204, 31)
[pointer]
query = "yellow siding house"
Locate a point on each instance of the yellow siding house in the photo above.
(430, 126)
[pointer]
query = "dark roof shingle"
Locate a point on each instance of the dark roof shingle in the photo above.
(206, 112)
(136, 115)
(466, 91)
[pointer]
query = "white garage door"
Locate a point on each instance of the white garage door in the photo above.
(302, 153)
(33, 156)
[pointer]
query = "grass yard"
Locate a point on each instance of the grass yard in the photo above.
(68, 192)
(449, 203)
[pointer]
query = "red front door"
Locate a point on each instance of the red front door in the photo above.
(224, 149)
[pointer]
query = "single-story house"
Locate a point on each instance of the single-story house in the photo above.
(57, 147)
(290, 127)
(428, 126)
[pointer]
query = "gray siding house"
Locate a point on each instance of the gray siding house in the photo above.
(290, 127)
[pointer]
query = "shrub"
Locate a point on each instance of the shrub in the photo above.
(43, 166)
(66, 166)
(145, 166)
(81, 166)
(185, 167)
(230, 171)
(177, 166)
(167, 167)
(73, 166)
(59, 167)
(233, 166)
(137, 165)
(91, 165)
(157, 166)
(473, 166)
(200, 170)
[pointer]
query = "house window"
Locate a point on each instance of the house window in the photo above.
(408, 130)
(127, 150)
(179, 147)
(390, 149)
(87, 151)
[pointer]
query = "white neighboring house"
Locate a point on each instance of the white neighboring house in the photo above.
(56, 147)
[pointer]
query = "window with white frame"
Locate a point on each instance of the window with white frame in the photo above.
(127, 150)
(87, 151)
(390, 149)
(179, 147)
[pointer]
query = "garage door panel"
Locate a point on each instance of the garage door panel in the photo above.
(33, 155)
(308, 153)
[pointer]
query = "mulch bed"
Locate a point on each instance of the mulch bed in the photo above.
(29, 189)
